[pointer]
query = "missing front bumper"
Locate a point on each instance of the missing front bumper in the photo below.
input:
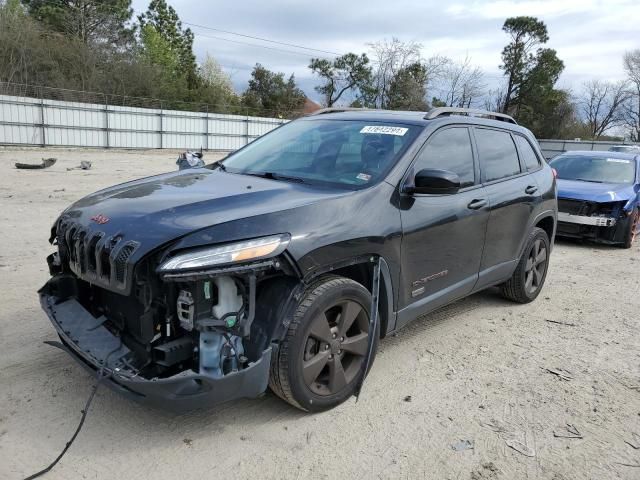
(94, 347)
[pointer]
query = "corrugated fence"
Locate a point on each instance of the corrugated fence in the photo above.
(43, 122)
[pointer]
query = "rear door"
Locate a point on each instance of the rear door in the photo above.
(512, 193)
(443, 235)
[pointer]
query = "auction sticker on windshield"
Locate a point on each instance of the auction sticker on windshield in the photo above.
(384, 130)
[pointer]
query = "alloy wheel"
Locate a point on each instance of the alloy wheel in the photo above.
(335, 347)
(536, 266)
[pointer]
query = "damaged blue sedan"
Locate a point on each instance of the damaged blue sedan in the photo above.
(599, 196)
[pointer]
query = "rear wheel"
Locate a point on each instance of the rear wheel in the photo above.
(632, 229)
(527, 280)
(322, 359)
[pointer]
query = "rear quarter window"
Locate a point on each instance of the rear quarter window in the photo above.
(498, 154)
(528, 155)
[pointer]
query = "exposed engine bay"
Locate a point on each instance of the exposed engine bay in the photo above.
(170, 325)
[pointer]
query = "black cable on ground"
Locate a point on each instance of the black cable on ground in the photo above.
(94, 389)
(101, 376)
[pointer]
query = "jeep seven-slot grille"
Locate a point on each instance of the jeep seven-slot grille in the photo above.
(94, 256)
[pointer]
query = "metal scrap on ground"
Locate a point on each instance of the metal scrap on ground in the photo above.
(84, 165)
(46, 163)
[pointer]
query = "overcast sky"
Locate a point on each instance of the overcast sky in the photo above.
(590, 36)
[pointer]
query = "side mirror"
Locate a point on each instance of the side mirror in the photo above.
(435, 181)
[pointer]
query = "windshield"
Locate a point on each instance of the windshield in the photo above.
(347, 153)
(595, 169)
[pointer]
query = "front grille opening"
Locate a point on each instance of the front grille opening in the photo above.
(71, 233)
(105, 264)
(91, 253)
(121, 261)
(82, 251)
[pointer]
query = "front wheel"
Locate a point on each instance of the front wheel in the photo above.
(322, 358)
(527, 280)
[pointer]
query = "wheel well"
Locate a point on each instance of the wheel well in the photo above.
(547, 224)
(363, 274)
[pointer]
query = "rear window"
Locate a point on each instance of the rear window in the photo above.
(498, 155)
(352, 153)
(597, 169)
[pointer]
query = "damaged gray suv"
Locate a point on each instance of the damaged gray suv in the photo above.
(283, 264)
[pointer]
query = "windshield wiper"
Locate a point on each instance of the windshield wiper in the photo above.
(275, 176)
(220, 165)
(591, 181)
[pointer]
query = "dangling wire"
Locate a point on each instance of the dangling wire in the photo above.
(101, 375)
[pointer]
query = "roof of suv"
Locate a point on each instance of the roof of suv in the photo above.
(479, 117)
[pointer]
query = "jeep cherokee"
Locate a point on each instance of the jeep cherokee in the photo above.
(283, 264)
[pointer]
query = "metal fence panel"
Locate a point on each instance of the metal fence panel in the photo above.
(26, 120)
(551, 148)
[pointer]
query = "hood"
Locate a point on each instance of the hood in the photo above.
(595, 192)
(156, 210)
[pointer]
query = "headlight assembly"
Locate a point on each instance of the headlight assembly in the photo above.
(256, 249)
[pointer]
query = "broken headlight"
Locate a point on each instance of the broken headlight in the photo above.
(248, 250)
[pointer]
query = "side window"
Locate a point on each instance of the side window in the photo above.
(527, 154)
(449, 149)
(498, 154)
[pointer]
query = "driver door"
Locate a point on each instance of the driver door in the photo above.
(443, 235)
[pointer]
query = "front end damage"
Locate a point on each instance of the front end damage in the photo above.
(605, 222)
(175, 339)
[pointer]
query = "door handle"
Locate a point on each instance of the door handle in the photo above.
(531, 189)
(477, 203)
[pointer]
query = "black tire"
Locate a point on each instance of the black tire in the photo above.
(632, 227)
(301, 347)
(528, 279)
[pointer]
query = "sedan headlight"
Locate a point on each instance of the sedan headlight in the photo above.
(230, 253)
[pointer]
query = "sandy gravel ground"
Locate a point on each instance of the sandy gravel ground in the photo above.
(475, 371)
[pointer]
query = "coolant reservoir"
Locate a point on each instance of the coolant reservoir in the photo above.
(229, 299)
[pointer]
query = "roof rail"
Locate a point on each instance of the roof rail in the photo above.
(442, 111)
(337, 109)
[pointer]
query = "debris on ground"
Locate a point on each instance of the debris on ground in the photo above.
(407, 398)
(561, 323)
(46, 163)
(634, 442)
(570, 431)
(190, 160)
(560, 373)
(520, 447)
(488, 471)
(188, 442)
(84, 165)
(463, 445)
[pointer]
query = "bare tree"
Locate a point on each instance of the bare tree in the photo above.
(601, 105)
(631, 109)
(462, 84)
(388, 58)
(494, 99)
